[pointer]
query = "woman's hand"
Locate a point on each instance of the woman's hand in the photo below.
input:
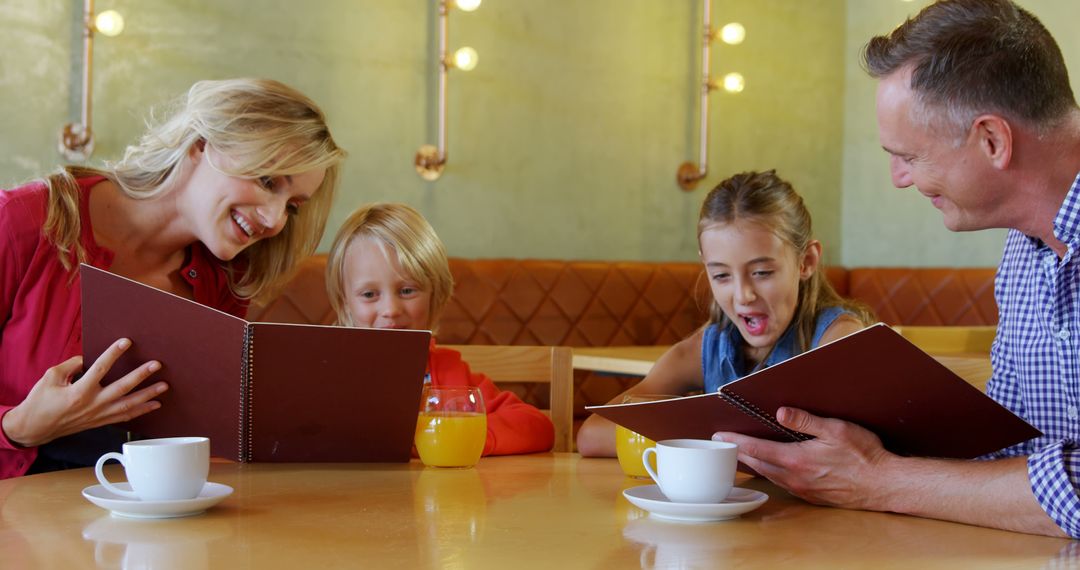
(56, 406)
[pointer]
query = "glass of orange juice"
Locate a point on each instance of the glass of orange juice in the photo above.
(452, 426)
(629, 445)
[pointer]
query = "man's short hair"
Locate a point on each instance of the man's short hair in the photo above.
(969, 57)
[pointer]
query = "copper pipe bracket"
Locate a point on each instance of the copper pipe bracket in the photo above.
(76, 142)
(429, 163)
(688, 176)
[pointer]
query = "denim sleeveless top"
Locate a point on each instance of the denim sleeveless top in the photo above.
(722, 357)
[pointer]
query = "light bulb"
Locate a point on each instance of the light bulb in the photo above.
(466, 59)
(734, 83)
(110, 23)
(733, 33)
(467, 5)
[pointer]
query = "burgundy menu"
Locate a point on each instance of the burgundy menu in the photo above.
(261, 391)
(874, 378)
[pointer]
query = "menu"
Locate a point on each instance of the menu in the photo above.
(874, 378)
(260, 391)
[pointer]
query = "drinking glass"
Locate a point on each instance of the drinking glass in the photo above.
(629, 445)
(451, 429)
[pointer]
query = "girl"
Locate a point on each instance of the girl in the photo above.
(388, 269)
(770, 300)
(218, 204)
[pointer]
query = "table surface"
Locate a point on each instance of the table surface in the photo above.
(637, 360)
(535, 511)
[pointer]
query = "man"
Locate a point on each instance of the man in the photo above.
(975, 110)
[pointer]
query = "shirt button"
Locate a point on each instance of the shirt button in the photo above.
(1063, 334)
(192, 273)
(1073, 413)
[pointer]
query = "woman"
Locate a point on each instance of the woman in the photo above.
(218, 204)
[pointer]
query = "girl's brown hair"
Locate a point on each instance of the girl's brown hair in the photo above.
(766, 199)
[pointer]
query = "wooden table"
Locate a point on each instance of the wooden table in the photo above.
(537, 511)
(637, 360)
(628, 360)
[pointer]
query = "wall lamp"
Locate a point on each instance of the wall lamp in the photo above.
(77, 139)
(689, 174)
(431, 160)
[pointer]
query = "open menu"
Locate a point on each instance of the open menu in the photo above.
(874, 378)
(260, 391)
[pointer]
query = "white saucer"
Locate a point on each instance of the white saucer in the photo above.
(211, 494)
(650, 498)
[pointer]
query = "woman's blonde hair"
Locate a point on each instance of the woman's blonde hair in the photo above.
(265, 127)
(402, 232)
(766, 199)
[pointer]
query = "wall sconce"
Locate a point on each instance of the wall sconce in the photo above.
(77, 139)
(431, 160)
(689, 174)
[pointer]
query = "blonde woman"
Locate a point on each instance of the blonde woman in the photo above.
(217, 203)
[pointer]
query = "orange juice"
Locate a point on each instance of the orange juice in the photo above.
(629, 446)
(450, 439)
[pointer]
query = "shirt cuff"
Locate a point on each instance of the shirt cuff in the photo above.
(1054, 472)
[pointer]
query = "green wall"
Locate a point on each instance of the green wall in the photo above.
(563, 142)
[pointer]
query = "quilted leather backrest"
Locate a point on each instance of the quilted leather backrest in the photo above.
(302, 301)
(537, 302)
(600, 303)
(573, 303)
(927, 296)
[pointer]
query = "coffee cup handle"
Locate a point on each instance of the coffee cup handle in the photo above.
(105, 482)
(648, 466)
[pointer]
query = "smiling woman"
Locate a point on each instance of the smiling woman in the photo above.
(218, 203)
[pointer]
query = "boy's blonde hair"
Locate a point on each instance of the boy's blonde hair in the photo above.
(765, 198)
(402, 232)
(265, 127)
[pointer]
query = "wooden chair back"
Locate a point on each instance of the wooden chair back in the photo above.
(552, 365)
(950, 339)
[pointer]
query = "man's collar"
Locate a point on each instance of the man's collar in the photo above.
(1067, 221)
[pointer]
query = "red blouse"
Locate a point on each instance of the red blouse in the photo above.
(40, 304)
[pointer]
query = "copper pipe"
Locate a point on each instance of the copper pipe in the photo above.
(431, 160)
(444, 65)
(706, 43)
(88, 60)
(77, 139)
(690, 174)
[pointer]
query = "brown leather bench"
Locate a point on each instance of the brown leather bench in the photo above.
(612, 303)
(608, 303)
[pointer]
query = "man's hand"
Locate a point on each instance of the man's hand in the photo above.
(836, 468)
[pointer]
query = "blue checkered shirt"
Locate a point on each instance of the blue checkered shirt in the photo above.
(1036, 359)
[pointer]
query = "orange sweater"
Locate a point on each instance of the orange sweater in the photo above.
(512, 425)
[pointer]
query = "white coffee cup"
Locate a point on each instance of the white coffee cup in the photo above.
(693, 470)
(166, 469)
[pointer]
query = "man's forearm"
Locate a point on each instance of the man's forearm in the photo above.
(994, 494)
